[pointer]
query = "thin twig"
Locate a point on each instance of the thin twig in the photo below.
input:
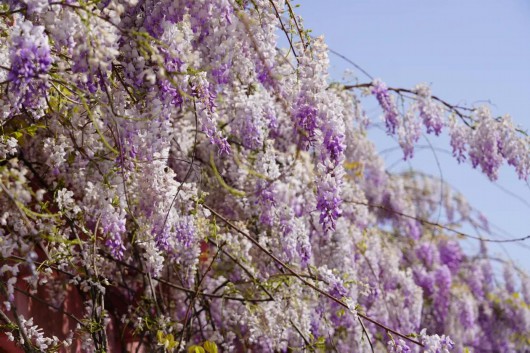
(303, 280)
(284, 29)
(424, 221)
(366, 334)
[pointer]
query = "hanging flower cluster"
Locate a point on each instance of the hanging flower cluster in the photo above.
(171, 180)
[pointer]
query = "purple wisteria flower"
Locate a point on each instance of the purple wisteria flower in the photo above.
(305, 118)
(222, 73)
(237, 253)
(328, 201)
(209, 128)
(115, 245)
(424, 279)
(459, 139)
(265, 199)
(114, 228)
(409, 134)
(476, 280)
(430, 112)
(181, 234)
(171, 93)
(398, 346)
(31, 6)
(485, 145)
(435, 343)
(467, 312)
(425, 253)
(443, 280)
(31, 61)
(380, 90)
(162, 240)
(334, 146)
(185, 232)
(450, 254)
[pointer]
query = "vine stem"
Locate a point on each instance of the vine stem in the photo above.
(441, 226)
(303, 280)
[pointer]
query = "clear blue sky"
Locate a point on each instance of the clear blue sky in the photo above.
(469, 51)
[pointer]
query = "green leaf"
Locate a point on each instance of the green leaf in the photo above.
(210, 347)
(196, 349)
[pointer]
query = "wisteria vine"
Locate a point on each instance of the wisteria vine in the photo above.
(172, 180)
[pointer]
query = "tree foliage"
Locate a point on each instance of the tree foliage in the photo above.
(171, 179)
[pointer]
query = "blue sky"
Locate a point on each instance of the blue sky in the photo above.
(470, 52)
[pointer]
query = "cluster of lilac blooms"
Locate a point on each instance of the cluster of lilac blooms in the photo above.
(475, 133)
(172, 180)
